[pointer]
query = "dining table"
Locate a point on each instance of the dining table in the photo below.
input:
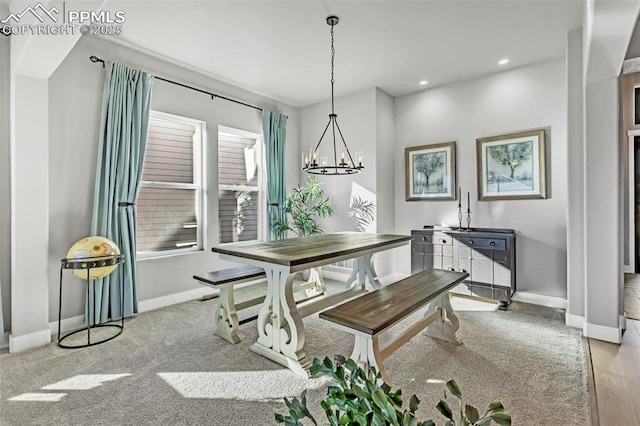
(281, 334)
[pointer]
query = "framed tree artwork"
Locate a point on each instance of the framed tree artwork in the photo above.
(511, 166)
(430, 172)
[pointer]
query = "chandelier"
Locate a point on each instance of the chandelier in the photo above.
(343, 163)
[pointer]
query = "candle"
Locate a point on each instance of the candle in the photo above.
(468, 203)
(459, 197)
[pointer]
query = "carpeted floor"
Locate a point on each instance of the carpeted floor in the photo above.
(168, 367)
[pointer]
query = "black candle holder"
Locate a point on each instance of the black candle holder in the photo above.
(468, 220)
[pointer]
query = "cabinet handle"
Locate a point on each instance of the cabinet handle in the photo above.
(452, 269)
(471, 242)
(424, 238)
(492, 243)
(444, 241)
(464, 270)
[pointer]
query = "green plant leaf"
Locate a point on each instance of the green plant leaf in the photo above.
(413, 403)
(279, 418)
(503, 419)
(471, 413)
(496, 406)
(388, 411)
(453, 387)
(484, 420)
(427, 423)
(444, 409)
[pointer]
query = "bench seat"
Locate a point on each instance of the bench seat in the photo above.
(375, 312)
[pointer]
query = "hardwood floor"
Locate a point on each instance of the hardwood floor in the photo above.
(616, 370)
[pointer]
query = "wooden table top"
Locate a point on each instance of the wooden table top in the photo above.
(314, 248)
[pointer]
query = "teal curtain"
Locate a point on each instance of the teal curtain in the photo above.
(123, 137)
(274, 128)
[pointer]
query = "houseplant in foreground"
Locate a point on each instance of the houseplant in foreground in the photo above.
(361, 398)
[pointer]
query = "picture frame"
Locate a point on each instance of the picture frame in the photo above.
(512, 166)
(430, 172)
(636, 105)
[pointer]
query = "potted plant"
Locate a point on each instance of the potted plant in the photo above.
(303, 207)
(361, 398)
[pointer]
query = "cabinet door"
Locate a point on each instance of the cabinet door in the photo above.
(482, 270)
(501, 274)
(417, 262)
(447, 263)
(464, 265)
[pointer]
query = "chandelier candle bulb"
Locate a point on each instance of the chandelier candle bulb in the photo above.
(459, 197)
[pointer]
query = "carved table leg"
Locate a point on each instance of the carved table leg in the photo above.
(445, 327)
(280, 328)
(365, 273)
(226, 316)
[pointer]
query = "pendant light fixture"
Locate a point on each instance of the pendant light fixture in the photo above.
(343, 163)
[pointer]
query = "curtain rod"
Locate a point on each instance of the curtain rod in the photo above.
(95, 59)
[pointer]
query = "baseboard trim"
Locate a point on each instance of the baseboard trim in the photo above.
(172, 299)
(622, 322)
(29, 341)
(628, 269)
(601, 332)
(576, 321)
(67, 324)
(540, 299)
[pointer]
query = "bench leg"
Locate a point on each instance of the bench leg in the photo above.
(445, 327)
(226, 316)
(366, 353)
(315, 276)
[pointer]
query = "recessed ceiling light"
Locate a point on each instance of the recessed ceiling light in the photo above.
(423, 82)
(504, 61)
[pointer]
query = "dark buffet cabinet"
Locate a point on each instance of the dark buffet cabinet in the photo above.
(487, 254)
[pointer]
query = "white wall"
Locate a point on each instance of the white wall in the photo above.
(356, 117)
(520, 99)
(5, 184)
(367, 122)
(75, 97)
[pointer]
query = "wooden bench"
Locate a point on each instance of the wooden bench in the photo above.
(373, 313)
(226, 316)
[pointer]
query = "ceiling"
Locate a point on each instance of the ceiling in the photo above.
(281, 49)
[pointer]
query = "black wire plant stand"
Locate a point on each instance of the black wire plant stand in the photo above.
(89, 263)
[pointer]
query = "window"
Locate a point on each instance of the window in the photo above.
(240, 192)
(170, 203)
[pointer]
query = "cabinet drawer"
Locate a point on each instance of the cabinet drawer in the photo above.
(484, 243)
(442, 239)
(419, 237)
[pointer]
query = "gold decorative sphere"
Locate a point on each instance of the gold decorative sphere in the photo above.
(94, 247)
